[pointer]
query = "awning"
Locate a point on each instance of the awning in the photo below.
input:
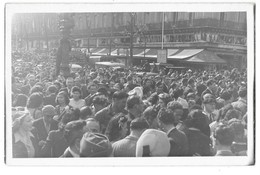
(104, 52)
(109, 64)
(137, 52)
(206, 57)
(171, 52)
(186, 53)
(152, 53)
(141, 54)
(120, 52)
(97, 50)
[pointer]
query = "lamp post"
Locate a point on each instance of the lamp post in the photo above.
(132, 23)
(66, 23)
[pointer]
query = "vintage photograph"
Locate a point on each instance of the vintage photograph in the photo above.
(166, 83)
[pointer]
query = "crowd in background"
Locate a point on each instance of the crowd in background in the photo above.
(106, 112)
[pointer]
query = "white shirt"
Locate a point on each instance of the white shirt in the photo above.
(77, 104)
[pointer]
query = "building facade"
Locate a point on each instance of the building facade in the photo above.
(222, 33)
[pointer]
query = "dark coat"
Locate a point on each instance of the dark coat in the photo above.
(50, 100)
(41, 130)
(180, 146)
(199, 143)
(19, 149)
(55, 144)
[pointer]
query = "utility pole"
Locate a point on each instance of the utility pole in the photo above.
(130, 62)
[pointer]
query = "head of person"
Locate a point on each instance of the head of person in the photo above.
(95, 145)
(36, 88)
(62, 98)
(164, 99)
(99, 103)
(20, 100)
(69, 82)
(197, 119)
(117, 128)
(232, 113)
(211, 85)
(138, 126)
(227, 96)
(32, 80)
(51, 89)
(165, 118)
(159, 87)
(48, 112)
(209, 103)
(153, 143)
(92, 125)
(223, 136)
(119, 99)
(92, 88)
(85, 112)
(73, 133)
(242, 93)
(23, 121)
(177, 110)
(135, 105)
(35, 101)
(153, 99)
(77, 82)
(177, 93)
(150, 114)
(76, 93)
(191, 82)
(238, 129)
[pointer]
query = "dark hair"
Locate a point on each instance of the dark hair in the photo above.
(76, 89)
(65, 95)
(210, 82)
(100, 100)
(166, 116)
(119, 95)
(242, 93)
(232, 113)
(224, 135)
(35, 100)
(150, 113)
(132, 101)
(153, 99)
(197, 119)
(21, 100)
(139, 124)
(177, 93)
(84, 112)
(113, 131)
(73, 132)
(36, 88)
(166, 98)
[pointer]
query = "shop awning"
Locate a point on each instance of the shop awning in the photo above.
(152, 53)
(141, 54)
(206, 57)
(96, 51)
(105, 51)
(171, 52)
(120, 52)
(186, 53)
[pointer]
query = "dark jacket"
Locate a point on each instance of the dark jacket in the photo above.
(199, 143)
(19, 149)
(50, 100)
(41, 130)
(55, 144)
(180, 146)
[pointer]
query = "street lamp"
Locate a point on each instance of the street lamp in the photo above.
(66, 23)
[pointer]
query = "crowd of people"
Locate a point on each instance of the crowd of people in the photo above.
(105, 112)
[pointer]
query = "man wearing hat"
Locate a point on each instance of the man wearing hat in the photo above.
(211, 88)
(241, 103)
(45, 124)
(127, 146)
(73, 133)
(95, 145)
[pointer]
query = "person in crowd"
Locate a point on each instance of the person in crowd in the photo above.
(164, 99)
(62, 101)
(92, 125)
(135, 107)
(73, 133)
(239, 145)
(85, 113)
(34, 105)
(117, 106)
(117, 128)
(190, 87)
(222, 141)
(20, 100)
(126, 147)
(179, 145)
(99, 102)
(95, 145)
(45, 124)
(177, 110)
(211, 88)
(241, 103)
(25, 140)
(69, 85)
(83, 87)
(209, 106)
(153, 143)
(198, 134)
(56, 144)
(76, 102)
(150, 114)
(50, 98)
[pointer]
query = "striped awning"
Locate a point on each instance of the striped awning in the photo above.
(185, 53)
